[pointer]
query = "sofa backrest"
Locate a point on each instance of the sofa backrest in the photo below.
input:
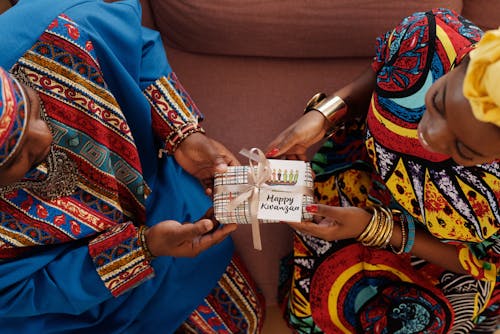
(283, 28)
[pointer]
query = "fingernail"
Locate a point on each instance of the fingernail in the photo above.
(272, 152)
(221, 168)
(313, 208)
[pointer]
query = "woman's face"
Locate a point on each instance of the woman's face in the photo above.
(449, 127)
(34, 146)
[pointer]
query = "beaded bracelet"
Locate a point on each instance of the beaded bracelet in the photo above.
(410, 223)
(404, 240)
(176, 137)
(144, 245)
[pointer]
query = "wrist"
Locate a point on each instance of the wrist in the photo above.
(177, 137)
(143, 237)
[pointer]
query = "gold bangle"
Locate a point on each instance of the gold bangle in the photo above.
(369, 237)
(381, 236)
(366, 237)
(332, 107)
(379, 230)
(372, 240)
(389, 227)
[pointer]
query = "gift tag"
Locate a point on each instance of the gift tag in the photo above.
(284, 202)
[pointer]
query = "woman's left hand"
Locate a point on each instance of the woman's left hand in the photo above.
(333, 222)
(202, 157)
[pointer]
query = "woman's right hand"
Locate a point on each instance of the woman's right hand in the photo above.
(311, 127)
(294, 141)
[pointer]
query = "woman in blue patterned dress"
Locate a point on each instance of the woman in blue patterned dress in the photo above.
(98, 232)
(406, 239)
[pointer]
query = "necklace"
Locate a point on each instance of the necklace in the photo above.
(61, 172)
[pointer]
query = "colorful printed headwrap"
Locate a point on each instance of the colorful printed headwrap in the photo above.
(482, 79)
(13, 114)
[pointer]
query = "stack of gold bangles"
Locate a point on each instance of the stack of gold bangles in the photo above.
(379, 230)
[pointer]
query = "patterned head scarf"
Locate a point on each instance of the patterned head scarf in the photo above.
(482, 79)
(13, 114)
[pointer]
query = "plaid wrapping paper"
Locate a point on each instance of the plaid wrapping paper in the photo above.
(241, 215)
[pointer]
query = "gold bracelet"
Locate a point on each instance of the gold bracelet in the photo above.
(372, 240)
(366, 237)
(379, 240)
(365, 232)
(332, 107)
(379, 230)
(389, 227)
(144, 245)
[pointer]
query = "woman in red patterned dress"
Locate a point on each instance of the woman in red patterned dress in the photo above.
(405, 239)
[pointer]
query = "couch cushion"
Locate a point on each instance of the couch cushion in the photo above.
(284, 28)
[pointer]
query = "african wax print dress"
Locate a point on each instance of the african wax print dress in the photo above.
(73, 264)
(345, 287)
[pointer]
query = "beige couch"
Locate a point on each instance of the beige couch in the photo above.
(251, 65)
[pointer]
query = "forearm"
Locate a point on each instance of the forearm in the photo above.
(431, 249)
(358, 93)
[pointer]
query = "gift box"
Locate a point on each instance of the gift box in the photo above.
(269, 191)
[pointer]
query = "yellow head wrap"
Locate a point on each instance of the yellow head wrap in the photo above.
(482, 79)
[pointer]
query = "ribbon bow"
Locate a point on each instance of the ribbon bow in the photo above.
(257, 177)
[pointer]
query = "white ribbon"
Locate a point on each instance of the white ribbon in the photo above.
(257, 177)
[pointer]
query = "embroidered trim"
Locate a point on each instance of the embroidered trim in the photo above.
(119, 259)
(174, 116)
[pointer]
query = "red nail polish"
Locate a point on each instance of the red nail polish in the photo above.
(312, 208)
(272, 152)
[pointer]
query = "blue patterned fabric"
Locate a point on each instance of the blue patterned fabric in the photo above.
(57, 289)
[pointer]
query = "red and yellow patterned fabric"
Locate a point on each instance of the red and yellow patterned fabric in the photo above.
(344, 287)
(233, 306)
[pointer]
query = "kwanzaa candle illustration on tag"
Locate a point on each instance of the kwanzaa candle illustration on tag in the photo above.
(276, 202)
